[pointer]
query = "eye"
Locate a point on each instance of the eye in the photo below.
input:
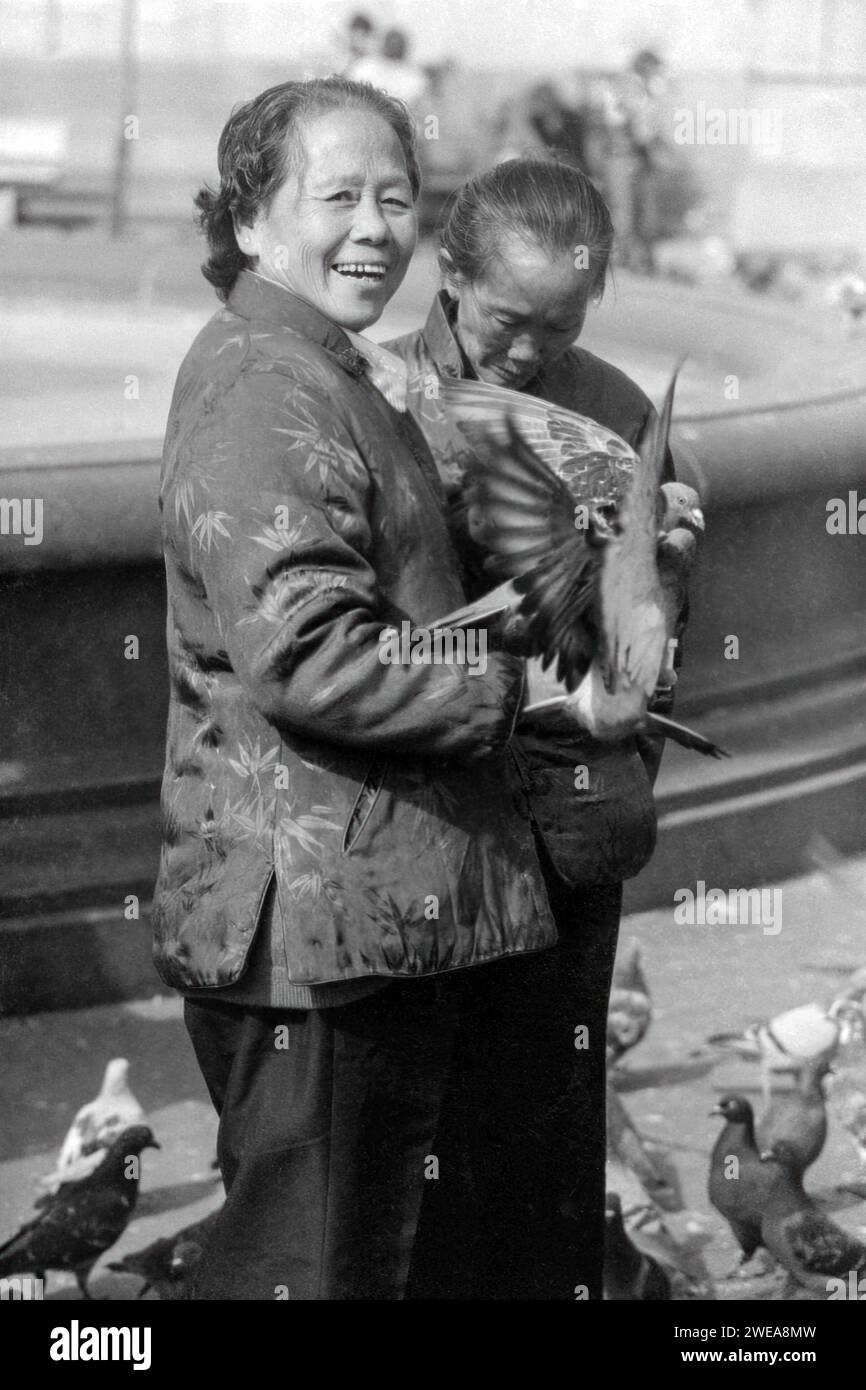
(343, 195)
(397, 202)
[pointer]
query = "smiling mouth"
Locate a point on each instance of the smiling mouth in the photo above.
(373, 272)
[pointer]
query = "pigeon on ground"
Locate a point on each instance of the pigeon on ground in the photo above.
(848, 1086)
(166, 1264)
(802, 1034)
(586, 579)
(738, 1190)
(95, 1127)
(798, 1117)
(630, 1275)
(630, 1010)
(83, 1218)
(811, 1247)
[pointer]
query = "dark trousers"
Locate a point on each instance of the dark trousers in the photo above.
(518, 1209)
(442, 1139)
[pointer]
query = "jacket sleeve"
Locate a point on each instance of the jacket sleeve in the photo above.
(272, 511)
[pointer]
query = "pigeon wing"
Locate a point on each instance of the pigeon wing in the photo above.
(632, 601)
(594, 462)
(523, 514)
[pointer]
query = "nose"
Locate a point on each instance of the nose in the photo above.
(369, 223)
(524, 354)
(526, 350)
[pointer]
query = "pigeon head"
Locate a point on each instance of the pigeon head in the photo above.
(680, 505)
(734, 1108)
(813, 1072)
(780, 1152)
(612, 1207)
(848, 1014)
(133, 1140)
(185, 1257)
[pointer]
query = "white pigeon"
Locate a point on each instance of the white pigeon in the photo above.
(802, 1034)
(96, 1125)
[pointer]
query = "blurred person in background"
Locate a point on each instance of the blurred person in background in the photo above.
(540, 120)
(359, 39)
(392, 70)
(347, 888)
(512, 304)
(630, 154)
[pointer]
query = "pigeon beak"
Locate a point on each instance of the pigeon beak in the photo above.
(153, 1144)
(716, 1110)
(697, 517)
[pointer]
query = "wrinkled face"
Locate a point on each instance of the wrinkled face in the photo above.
(340, 235)
(523, 313)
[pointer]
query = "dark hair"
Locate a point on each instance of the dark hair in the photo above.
(258, 148)
(547, 201)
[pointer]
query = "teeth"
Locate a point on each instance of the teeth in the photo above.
(360, 268)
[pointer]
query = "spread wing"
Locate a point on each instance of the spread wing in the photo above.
(591, 460)
(525, 515)
(632, 601)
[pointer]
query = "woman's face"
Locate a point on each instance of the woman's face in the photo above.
(527, 308)
(341, 234)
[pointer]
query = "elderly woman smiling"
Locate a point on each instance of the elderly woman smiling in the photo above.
(337, 846)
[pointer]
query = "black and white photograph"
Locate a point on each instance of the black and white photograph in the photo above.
(433, 661)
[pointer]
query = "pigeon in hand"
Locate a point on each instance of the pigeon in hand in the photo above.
(95, 1127)
(798, 1117)
(166, 1264)
(583, 572)
(738, 1189)
(630, 1009)
(630, 1275)
(83, 1218)
(811, 1247)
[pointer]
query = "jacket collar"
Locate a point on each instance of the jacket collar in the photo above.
(441, 340)
(254, 297)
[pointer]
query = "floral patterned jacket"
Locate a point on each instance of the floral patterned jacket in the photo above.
(301, 515)
(591, 802)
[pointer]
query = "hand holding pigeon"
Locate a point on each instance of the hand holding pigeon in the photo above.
(578, 547)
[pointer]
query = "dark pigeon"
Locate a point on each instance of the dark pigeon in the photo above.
(82, 1219)
(630, 1275)
(804, 1240)
(741, 1199)
(166, 1264)
(798, 1117)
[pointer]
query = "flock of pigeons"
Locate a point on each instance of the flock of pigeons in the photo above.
(91, 1195)
(755, 1177)
(757, 1165)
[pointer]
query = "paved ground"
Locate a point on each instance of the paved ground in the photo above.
(703, 979)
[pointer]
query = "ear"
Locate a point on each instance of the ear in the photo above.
(248, 237)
